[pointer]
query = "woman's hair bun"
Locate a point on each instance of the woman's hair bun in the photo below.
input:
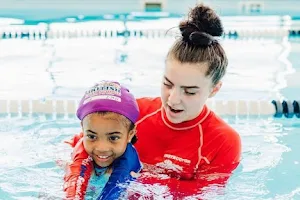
(200, 27)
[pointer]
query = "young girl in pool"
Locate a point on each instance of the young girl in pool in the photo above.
(103, 154)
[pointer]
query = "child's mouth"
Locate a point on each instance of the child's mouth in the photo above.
(103, 157)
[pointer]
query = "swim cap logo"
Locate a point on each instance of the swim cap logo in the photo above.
(103, 90)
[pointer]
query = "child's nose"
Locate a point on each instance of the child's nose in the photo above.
(102, 146)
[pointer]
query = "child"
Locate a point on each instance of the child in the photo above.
(103, 154)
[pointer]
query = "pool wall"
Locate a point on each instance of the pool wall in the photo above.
(45, 9)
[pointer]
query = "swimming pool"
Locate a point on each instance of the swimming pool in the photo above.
(262, 67)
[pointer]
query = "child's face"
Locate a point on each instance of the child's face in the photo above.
(105, 137)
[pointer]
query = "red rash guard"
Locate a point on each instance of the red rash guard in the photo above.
(194, 154)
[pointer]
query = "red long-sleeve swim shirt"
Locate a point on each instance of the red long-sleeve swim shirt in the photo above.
(193, 154)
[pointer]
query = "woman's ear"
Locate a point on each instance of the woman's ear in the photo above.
(131, 134)
(215, 89)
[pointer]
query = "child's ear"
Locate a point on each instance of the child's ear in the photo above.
(131, 134)
(81, 126)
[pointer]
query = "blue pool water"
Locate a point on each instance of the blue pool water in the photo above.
(31, 148)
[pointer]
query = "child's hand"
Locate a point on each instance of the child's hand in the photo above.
(74, 140)
(135, 175)
(63, 164)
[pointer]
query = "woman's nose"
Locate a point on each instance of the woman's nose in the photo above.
(174, 97)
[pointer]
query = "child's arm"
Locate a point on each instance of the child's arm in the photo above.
(78, 171)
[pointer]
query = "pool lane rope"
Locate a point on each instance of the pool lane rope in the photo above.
(275, 108)
(42, 34)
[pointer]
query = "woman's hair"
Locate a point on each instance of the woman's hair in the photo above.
(122, 119)
(198, 43)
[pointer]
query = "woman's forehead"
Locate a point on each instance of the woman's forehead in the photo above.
(186, 74)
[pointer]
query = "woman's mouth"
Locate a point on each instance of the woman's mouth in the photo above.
(173, 110)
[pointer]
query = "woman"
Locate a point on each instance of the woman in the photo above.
(177, 134)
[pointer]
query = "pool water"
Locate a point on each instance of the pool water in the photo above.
(63, 68)
(31, 150)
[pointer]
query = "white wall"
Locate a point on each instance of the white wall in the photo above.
(179, 6)
(44, 9)
(269, 7)
(39, 9)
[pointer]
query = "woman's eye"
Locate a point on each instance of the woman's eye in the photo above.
(190, 93)
(114, 138)
(167, 85)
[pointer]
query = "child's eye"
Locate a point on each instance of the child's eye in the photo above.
(114, 138)
(92, 137)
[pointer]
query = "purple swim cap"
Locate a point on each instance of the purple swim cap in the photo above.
(108, 96)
